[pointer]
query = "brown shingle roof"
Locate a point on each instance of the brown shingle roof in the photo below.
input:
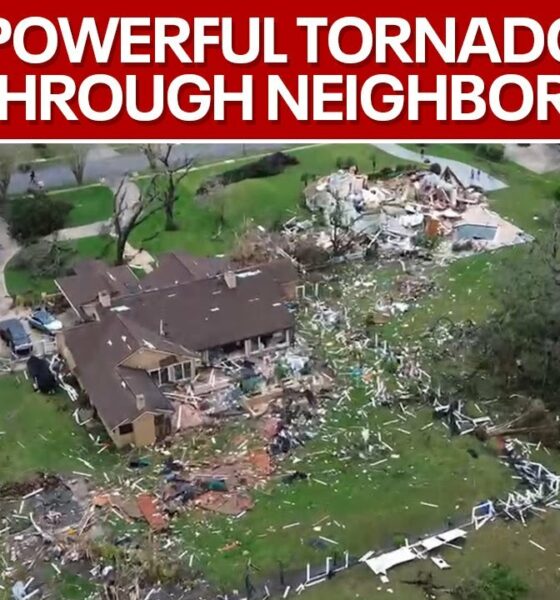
(94, 276)
(206, 313)
(98, 348)
(175, 268)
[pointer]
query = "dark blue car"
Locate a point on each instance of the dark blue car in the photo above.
(13, 333)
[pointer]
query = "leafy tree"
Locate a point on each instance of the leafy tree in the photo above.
(496, 582)
(373, 160)
(520, 342)
(36, 216)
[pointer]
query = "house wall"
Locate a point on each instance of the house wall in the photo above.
(145, 359)
(64, 351)
(145, 430)
(90, 311)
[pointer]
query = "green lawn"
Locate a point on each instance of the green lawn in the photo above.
(499, 542)
(362, 507)
(89, 205)
(21, 282)
(40, 434)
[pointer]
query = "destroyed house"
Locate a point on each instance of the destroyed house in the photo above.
(145, 342)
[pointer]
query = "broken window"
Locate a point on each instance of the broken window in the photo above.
(155, 376)
(179, 372)
(126, 429)
(164, 376)
(279, 337)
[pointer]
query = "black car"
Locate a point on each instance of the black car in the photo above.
(13, 333)
(41, 375)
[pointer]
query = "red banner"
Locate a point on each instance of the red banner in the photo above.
(287, 71)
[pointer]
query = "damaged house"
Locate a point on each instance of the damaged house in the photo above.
(139, 338)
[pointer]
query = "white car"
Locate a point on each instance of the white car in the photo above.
(44, 321)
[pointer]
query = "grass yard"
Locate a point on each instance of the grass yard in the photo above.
(89, 205)
(20, 282)
(359, 506)
(40, 434)
(503, 543)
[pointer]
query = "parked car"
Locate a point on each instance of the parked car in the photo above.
(44, 321)
(13, 333)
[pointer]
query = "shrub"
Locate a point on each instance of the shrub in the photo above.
(346, 162)
(36, 216)
(268, 166)
(496, 582)
(556, 194)
(435, 168)
(493, 152)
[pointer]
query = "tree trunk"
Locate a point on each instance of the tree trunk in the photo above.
(4, 185)
(121, 243)
(170, 224)
(78, 172)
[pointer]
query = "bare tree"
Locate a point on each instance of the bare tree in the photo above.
(168, 180)
(151, 152)
(75, 156)
(343, 235)
(132, 207)
(215, 197)
(12, 156)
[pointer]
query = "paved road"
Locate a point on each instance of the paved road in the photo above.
(462, 170)
(103, 162)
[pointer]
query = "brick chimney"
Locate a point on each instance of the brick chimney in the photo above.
(104, 298)
(231, 279)
(140, 401)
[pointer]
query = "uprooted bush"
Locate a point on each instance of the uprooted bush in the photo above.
(267, 166)
(309, 254)
(36, 216)
(254, 246)
(44, 259)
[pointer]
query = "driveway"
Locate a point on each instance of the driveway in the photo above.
(463, 171)
(8, 248)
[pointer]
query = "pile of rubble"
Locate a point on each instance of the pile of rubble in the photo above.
(413, 210)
